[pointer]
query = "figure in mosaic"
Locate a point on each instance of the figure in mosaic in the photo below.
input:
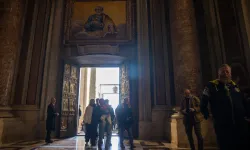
(99, 24)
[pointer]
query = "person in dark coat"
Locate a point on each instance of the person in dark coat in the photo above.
(50, 122)
(227, 109)
(125, 121)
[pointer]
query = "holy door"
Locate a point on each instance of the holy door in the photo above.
(124, 81)
(69, 101)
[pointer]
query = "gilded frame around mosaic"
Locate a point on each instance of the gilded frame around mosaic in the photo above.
(105, 27)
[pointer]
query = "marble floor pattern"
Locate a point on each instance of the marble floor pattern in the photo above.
(78, 143)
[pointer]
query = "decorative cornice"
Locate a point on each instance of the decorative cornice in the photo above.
(97, 49)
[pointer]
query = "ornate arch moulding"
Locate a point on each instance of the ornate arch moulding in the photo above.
(82, 25)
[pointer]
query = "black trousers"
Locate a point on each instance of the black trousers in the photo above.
(122, 128)
(189, 125)
(48, 136)
(230, 137)
(91, 133)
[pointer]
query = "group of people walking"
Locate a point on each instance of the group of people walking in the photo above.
(99, 118)
(223, 100)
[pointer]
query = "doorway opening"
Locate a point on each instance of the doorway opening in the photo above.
(97, 82)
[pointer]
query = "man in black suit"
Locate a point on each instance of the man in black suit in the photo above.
(51, 118)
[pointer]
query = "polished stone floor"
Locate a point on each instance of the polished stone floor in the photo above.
(78, 143)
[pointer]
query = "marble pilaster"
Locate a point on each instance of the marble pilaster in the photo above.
(161, 53)
(92, 87)
(47, 63)
(245, 4)
(10, 41)
(54, 54)
(144, 92)
(185, 50)
(246, 14)
(83, 89)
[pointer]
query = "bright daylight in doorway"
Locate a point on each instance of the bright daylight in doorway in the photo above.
(98, 83)
(107, 85)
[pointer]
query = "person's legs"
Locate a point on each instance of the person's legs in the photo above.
(82, 127)
(97, 131)
(121, 135)
(189, 131)
(87, 134)
(130, 135)
(197, 130)
(101, 132)
(109, 134)
(241, 136)
(224, 137)
(48, 138)
(93, 130)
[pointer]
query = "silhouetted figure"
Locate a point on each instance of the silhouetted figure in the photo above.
(80, 111)
(112, 112)
(97, 101)
(90, 121)
(125, 121)
(51, 118)
(190, 108)
(104, 116)
(229, 115)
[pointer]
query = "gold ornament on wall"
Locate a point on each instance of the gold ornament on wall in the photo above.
(64, 123)
(66, 69)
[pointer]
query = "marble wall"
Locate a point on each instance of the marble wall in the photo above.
(22, 121)
(164, 61)
(246, 14)
(160, 124)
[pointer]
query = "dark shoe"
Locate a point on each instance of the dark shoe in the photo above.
(108, 145)
(99, 146)
(48, 141)
(132, 147)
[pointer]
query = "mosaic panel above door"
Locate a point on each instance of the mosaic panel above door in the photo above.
(95, 21)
